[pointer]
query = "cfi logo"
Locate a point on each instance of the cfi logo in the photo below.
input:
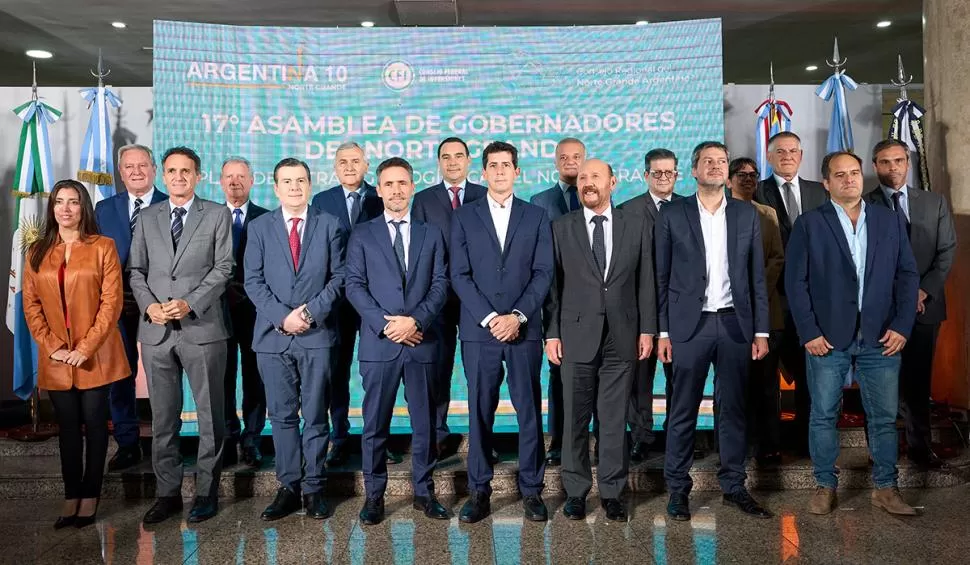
(397, 75)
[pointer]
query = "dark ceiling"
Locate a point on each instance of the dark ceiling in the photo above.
(792, 34)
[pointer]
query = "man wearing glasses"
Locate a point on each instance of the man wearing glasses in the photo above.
(660, 174)
(763, 390)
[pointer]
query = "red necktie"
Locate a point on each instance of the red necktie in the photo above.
(454, 197)
(295, 243)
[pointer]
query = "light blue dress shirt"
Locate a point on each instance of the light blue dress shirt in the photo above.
(857, 239)
(903, 199)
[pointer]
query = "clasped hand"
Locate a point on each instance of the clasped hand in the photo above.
(403, 329)
(164, 312)
(74, 358)
(504, 328)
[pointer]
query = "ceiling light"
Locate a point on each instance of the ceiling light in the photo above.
(367, 24)
(39, 54)
(884, 23)
(119, 25)
(642, 22)
(811, 68)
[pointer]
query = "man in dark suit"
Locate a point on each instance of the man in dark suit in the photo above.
(713, 308)
(436, 205)
(791, 195)
(294, 276)
(600, 319)
(180, 288)
(852, 287)
(561, 198)
(933, 240)
(237, 181)
(117, 217)
(398, 281)
(353, 202)
(660, 172)
(501, 268)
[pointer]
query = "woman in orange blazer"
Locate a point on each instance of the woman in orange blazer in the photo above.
(72, 301)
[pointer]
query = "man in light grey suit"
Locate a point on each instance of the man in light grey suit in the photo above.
(180, 263)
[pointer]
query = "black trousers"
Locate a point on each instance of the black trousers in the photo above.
(348, 325)
(915, 384)
(239, 351)
(764, 410)
(792, 358)
(640, 412)
(83, 473)
(441, 387)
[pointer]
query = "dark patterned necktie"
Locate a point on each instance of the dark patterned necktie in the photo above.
(898, 207)
(237, 227)
(177, 226)
(134, 214)
(399, 246)
(455, 201)
(599, 244)
(573, 193)
(354, 207)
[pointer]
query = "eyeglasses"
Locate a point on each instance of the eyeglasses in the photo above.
(661, 174)
(752, 176)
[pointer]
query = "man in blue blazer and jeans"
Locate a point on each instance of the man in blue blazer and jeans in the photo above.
(852, 282)
(397, 281)
(294, 276)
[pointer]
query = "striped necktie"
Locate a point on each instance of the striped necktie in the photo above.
(134, 214)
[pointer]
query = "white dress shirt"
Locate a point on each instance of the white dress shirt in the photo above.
(405, 234)
(607, 233)
(350, 202)
(300, 226)
(714, 229)
(244, 209)
(657, 201)
(461, 190)
(501, 213)
(796, 191)
(146, 200)
(187, 207)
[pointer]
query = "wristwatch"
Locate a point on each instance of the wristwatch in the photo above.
(521, 317)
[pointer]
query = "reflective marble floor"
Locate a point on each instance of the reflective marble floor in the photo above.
(855, 533)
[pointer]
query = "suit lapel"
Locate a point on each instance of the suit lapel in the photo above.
(418, 231)
(620, 229)
(309, 231)
(873, 229)
(778, 202)
(582, 238)
(731, 221)
(121, 208)
(650, 208)
(283, 237)
(440, 193)
(515, 217)
(694, 221)
(486, 217)
(164, 223)
(191, 224)
(832, 218)
(336, 195)
(382, 235)
(560, 199)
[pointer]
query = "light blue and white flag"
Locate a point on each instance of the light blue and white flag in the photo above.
(840, 127)
(97, 153)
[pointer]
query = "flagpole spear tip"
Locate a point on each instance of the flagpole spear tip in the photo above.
(902, 81)
(33, 87)
(771, 83)
(837, 62)
(102, 73)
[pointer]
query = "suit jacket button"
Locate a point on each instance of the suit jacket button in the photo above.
(173, 278)
(605, 289)
(701, 299)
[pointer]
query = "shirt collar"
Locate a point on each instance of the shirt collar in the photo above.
(492, 203)
(145, 198)
(657, 200)
(302, 215)
(389, 218)
(244, 208)
(187, 206)
(781, 181)
(448, 185)
(703, 210)
(564, 186)
(360, 190)
(589, 214)
(841, 211)
(889, 191)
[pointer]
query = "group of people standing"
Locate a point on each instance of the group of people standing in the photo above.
(744, 275)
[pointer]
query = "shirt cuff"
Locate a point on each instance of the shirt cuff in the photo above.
(520, 314)
(664, 335)
(488, 319)
(762, 335)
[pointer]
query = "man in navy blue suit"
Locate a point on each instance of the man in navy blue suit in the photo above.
(560, 199)
(117, 217)
(236, 181)
(436, 205)
(353, 202)
(501, 266)
(713, 308)
(294, 276)
(852, 283)
(397, 280)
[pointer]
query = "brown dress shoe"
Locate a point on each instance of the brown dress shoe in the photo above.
(889, 500)
(823, 501)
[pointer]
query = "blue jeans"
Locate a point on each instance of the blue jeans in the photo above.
(878, 378)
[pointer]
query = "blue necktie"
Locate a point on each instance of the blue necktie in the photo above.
(134, 214)
(898, 206)
(573, 193)
(399, 246)
(237, 227)
(177, 226)
(354, 207)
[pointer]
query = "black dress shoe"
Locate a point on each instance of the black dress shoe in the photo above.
(316, 506)
(163, 509)
(64, 521)
(772, 459)
(746, 504)
(927, 460)
(204, 508)
(493, 457)
(338, 456)
(373, 511)
(476, 509)
(449, 446)
(431, 507)
(614, 509)
(125, 457)
(678, 508)
(535, 509)
(394, 458)
(230, 455)
(285, 503)
(252, 457)
(639, 452)
(575, 508)
(554, 458)
(85, 521)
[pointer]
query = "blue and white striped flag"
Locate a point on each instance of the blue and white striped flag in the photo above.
(97, 153)
(774, 116)
(840, 127)
(33, 177)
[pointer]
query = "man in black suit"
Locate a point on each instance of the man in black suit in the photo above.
(236, 182)
(791, 195)
(713, 308)
(435, 205)
(933, 239)
(600, 319)
(661, 175)
(353, 202)
(561, 198)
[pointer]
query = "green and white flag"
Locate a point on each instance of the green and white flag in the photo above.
(34, 175)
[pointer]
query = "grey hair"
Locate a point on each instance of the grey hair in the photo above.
(352, 145)
(133, 147)
(237, 159)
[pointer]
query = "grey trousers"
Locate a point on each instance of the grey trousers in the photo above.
(205, 367)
